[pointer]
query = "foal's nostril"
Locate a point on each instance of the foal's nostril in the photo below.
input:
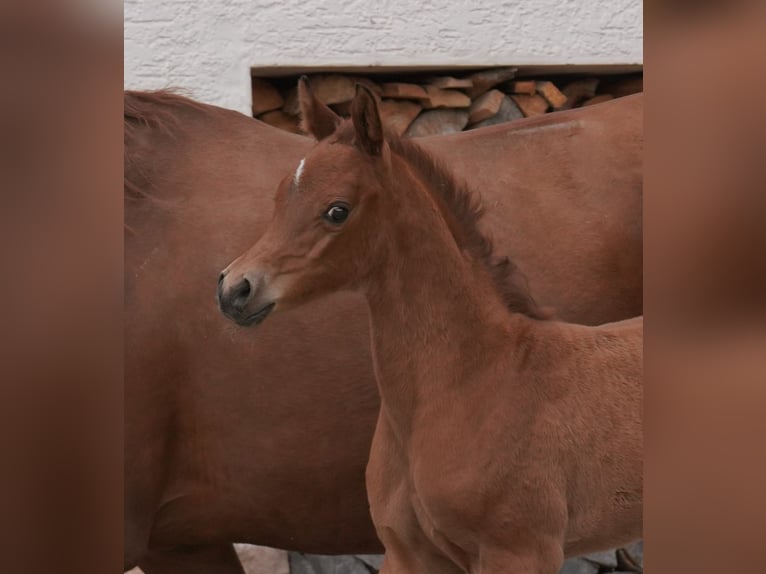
(219, 289)
(241, 293)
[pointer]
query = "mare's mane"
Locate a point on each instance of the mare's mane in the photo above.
(466, 210)
(158, 110)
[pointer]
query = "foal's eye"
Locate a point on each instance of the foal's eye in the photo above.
(337, 213)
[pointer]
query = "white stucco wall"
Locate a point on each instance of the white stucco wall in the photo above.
(208, 46)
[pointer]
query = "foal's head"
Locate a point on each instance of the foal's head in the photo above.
(326, 230)
(354, 203)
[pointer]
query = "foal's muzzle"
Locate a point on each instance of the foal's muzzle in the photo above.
(242, 300)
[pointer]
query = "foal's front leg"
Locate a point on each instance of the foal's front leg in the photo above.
(408, 549)
(416, 557)
(545, 559)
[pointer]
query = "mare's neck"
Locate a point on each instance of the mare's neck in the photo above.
(435, 315)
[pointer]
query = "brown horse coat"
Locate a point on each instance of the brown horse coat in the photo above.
(219, 450)
(504, 442)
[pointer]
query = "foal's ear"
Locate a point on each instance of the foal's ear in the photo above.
(316, 118)
(368, 129)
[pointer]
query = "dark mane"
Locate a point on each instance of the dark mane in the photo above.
(467, 210)
(463, 211)
(158, 110)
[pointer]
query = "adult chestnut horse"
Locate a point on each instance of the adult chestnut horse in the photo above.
(504, 442)
(232, 435)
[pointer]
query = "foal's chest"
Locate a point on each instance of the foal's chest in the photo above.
(449, 489)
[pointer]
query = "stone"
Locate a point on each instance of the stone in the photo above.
(578, 91)
(631, 558)
(485, 106)
(578, 566)
(636, 551)
(607, 559)
(320, 564)
(281, 120)
(438, 122)
(262, 560)
(333, 88)
(265, 97)
(448, 82)
(531, 105)
(598, 100)
(522, 87)
(439, 98)
(402, 91)
(508, 111)
(329, 89)
(622, 86)
(374, 560)
(551, 93)
(397, 115)
(487, 79)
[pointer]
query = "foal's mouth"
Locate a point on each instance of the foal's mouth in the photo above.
(258, 316)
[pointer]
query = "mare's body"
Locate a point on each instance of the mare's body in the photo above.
(217, 450)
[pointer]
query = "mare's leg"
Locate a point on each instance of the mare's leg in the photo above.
(211, 559)
(135, 544)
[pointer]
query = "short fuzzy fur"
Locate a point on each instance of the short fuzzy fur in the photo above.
(504, 443)
(205, 180)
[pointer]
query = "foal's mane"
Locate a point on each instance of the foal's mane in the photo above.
(466, 208)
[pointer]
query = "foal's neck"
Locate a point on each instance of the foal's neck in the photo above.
(434, 312)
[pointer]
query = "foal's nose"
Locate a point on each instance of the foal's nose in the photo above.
(234, 297)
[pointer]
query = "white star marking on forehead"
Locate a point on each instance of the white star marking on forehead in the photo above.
(299, 171)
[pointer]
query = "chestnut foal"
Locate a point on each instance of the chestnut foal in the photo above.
(505, 442)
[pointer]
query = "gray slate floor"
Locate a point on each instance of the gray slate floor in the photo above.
(597, 563)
